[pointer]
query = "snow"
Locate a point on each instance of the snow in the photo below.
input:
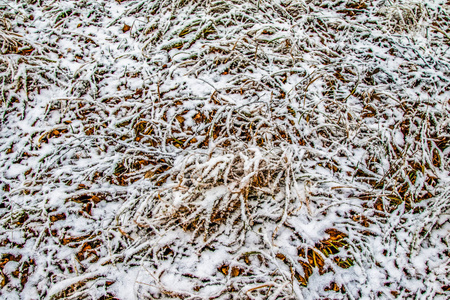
(197, 154)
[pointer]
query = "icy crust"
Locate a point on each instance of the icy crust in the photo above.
(224, 149)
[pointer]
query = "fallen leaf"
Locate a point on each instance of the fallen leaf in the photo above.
(125, 28)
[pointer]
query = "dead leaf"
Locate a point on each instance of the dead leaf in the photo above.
(235, 271)
(57, 217)
(125, 28)
(224, 269)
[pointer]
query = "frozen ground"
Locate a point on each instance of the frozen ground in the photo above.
(224, 149)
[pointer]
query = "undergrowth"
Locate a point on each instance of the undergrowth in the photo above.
(224, 149)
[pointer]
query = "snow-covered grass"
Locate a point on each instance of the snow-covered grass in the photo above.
(227, 149)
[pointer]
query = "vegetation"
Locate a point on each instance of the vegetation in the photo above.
(286, 149)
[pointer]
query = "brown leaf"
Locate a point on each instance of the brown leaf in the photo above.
(235, 271)
(95, 199)
(224, 269)
(77, 239)
(125, 28)
(3, 279)
(88, 208)
(180, 119)
(54, 218)
(280, 256)
(81, 254)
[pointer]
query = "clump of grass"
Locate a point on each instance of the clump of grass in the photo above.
(404, 16)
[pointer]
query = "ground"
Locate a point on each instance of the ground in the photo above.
(229, 149)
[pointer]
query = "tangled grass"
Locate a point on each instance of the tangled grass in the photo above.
(225, 149)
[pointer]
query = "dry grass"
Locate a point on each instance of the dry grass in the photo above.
(258, 149)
